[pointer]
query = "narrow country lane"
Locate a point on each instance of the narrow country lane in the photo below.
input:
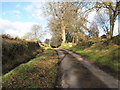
(78, 73)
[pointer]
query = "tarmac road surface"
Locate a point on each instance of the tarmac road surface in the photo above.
(79, 73)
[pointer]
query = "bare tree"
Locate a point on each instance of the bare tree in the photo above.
(67, 18)
(102, 20)
(94, 32)
(34, 33)
(64, 14)
(113, 8)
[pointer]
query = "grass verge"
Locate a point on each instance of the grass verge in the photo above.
(108, 57)
(39, 72)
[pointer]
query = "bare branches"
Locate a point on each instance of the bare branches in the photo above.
(113, 8)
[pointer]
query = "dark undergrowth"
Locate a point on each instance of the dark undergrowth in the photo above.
(16, 51)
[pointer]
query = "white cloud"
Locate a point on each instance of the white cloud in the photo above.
(4, 13)
(17, 16)
(17, 6)
(38, 14)
(16, 12)
(37, 10)
(29, 8)
(11, 32)
(15, 28)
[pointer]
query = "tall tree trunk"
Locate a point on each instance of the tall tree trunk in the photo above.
(77, 38)
(73, 39)
(112, 28)
(63, 30)
(111, 25)
(112, 16)
(35, 37)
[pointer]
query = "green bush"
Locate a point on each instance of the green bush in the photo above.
(84, 44)
(116, 40)
(87, 43)
(113, 40)
(55, 42)
(6, 36)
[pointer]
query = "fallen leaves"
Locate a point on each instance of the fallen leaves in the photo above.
(38, 73)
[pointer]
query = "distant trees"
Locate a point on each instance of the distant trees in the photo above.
(62, 13)
(47, 41)
(55, 41)
(94, 31)
(34, 34)
(68, 20)
(28, 35)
